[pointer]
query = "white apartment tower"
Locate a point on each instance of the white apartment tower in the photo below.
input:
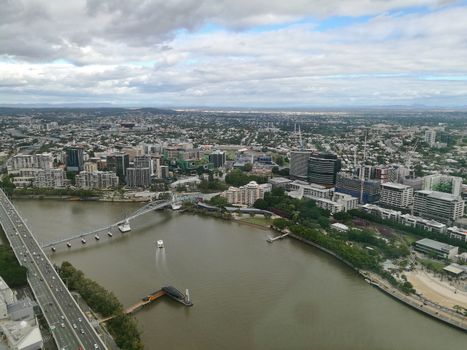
(439, 206)
(396, 195)
(246, 195)
(430, 137)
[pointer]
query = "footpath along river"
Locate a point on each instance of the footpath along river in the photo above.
(248, 294)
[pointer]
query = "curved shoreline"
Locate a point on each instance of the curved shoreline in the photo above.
(420, 304)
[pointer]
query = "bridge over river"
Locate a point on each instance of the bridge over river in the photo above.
(175, 203)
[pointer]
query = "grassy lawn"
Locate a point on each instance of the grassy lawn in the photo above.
(411, 238)
(257, 221)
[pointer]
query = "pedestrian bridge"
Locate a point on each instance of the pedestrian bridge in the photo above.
(174, 202)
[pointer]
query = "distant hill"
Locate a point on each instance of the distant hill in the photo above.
(18, 109)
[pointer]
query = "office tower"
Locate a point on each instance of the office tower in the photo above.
(118, 163)
(299, 164)
(217, 158)
(74, 159)
(323, 169)
(164, 171)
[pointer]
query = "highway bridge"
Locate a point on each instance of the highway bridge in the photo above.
(69, 326)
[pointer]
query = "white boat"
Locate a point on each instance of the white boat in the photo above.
(176, 206)
(160, 243)
(68, 245)
(96, 237)
(124, 227)
(83, 241)
(109, 234)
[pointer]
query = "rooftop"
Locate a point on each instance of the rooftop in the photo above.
(435, 244)
(439, 195)
(394, 185)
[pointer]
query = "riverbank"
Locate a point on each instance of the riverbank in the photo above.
(75, 198)
(421, 304)
(122, 327)
(267, 285)
(428, 307)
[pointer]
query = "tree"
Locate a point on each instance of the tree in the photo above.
(238, 178)
(279, 160)
(342, 216)
(7, 185)
(280, 223)
(247, 167)
(218, 201)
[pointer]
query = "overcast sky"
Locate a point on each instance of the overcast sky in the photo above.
(237, 53)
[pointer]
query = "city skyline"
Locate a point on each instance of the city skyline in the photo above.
(234, 54)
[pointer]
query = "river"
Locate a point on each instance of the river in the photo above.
(247, 294)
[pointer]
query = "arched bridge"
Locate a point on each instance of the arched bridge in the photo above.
(175, 202)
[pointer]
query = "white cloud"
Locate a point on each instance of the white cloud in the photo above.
(112, 44)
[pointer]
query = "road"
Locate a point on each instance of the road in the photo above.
(70, 328)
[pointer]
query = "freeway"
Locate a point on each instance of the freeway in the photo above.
(70, 328)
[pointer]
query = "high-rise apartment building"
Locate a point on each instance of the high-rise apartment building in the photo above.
(50, 178)
(138, 177)
(439, 206)
(96, 180)
(396, 195)
(430, 137)
(25, 161)
(246, 195)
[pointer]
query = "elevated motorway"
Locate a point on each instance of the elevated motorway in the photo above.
(69, 326)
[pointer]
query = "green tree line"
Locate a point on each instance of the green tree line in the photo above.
(11, 271)
(238, 178)
(123, 327)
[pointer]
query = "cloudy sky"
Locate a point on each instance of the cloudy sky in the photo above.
(237, 53)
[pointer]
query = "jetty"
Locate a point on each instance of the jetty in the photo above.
(170, 291)
(272, 239)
